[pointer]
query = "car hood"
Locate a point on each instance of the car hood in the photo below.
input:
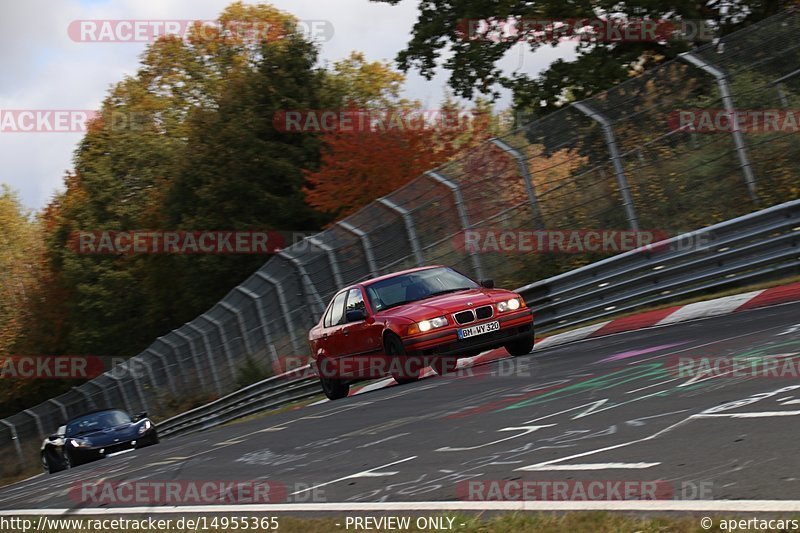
(447, 303)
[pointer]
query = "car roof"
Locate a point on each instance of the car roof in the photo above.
(400, 273)
(95, 411)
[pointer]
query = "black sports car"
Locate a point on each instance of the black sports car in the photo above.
(95, 435)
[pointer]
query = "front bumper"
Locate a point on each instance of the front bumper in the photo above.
(513, 326)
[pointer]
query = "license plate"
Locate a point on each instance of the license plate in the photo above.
(480, 329)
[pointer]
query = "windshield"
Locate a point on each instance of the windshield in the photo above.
(416, 286)
(96, 422)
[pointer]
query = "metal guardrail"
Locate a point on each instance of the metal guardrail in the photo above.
(745, 249)
(268, 394)
(749, 248)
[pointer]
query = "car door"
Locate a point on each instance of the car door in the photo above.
(331, 338)
(361, 339)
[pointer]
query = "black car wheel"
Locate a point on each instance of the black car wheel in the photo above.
(404, 370)
(520, 347)
(52, 464)
(333, 388)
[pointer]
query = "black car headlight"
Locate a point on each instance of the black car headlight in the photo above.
(145, 427)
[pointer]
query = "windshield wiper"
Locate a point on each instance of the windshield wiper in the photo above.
(446, 291)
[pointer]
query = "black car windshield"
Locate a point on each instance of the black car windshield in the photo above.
(416, 286)
(96, 422)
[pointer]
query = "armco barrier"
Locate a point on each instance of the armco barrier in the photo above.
(746, 249)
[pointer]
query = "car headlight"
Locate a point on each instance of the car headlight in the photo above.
(145, 427)
(510, 305)
(80, 443)
(427, 325)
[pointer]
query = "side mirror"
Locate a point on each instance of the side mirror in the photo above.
(487, 283)
(140, 416)
(355, 315)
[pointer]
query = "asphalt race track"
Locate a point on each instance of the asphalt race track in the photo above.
(611, 408)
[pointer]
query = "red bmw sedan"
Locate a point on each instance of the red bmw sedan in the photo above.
(400, 323)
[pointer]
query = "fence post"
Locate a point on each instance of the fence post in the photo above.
(462, 214)
(226, 347)
(174, 348)
(778, 83)
(38, 421)
(122, 392)
(210, 356)
(89, 400)
(178, 361)
(242, 326)
(410, 229)
(129, 367)
(104, 392)
(530, 189)
(312, 295)
(611, 142)
(196, 357)
(61, 407)
(337, 276)
(15, 438)
(727, 102)
(287, 316)
(262, 317)
(365, 243)
(167, 371)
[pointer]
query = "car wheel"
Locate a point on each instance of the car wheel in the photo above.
(444, 365)
(45, 465)
(51, 464)
(520, 347)
(404, 370)
(333, 388)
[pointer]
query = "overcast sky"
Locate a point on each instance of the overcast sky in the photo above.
(44, 69)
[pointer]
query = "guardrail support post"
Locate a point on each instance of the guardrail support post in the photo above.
(337, 276)
(410, 229)
(462, 214)
(226, 347)
(38, 420)
(262, 317)
(313, 297)
(15, 438)
(611, 142)
(727, 102)
(210, 356)
(522, 164)
(287, 316)
(365, 243)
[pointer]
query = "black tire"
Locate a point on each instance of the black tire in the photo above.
(51, 464)
(519, 347)
(333, 388)
(444, 365)
(404, 370)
